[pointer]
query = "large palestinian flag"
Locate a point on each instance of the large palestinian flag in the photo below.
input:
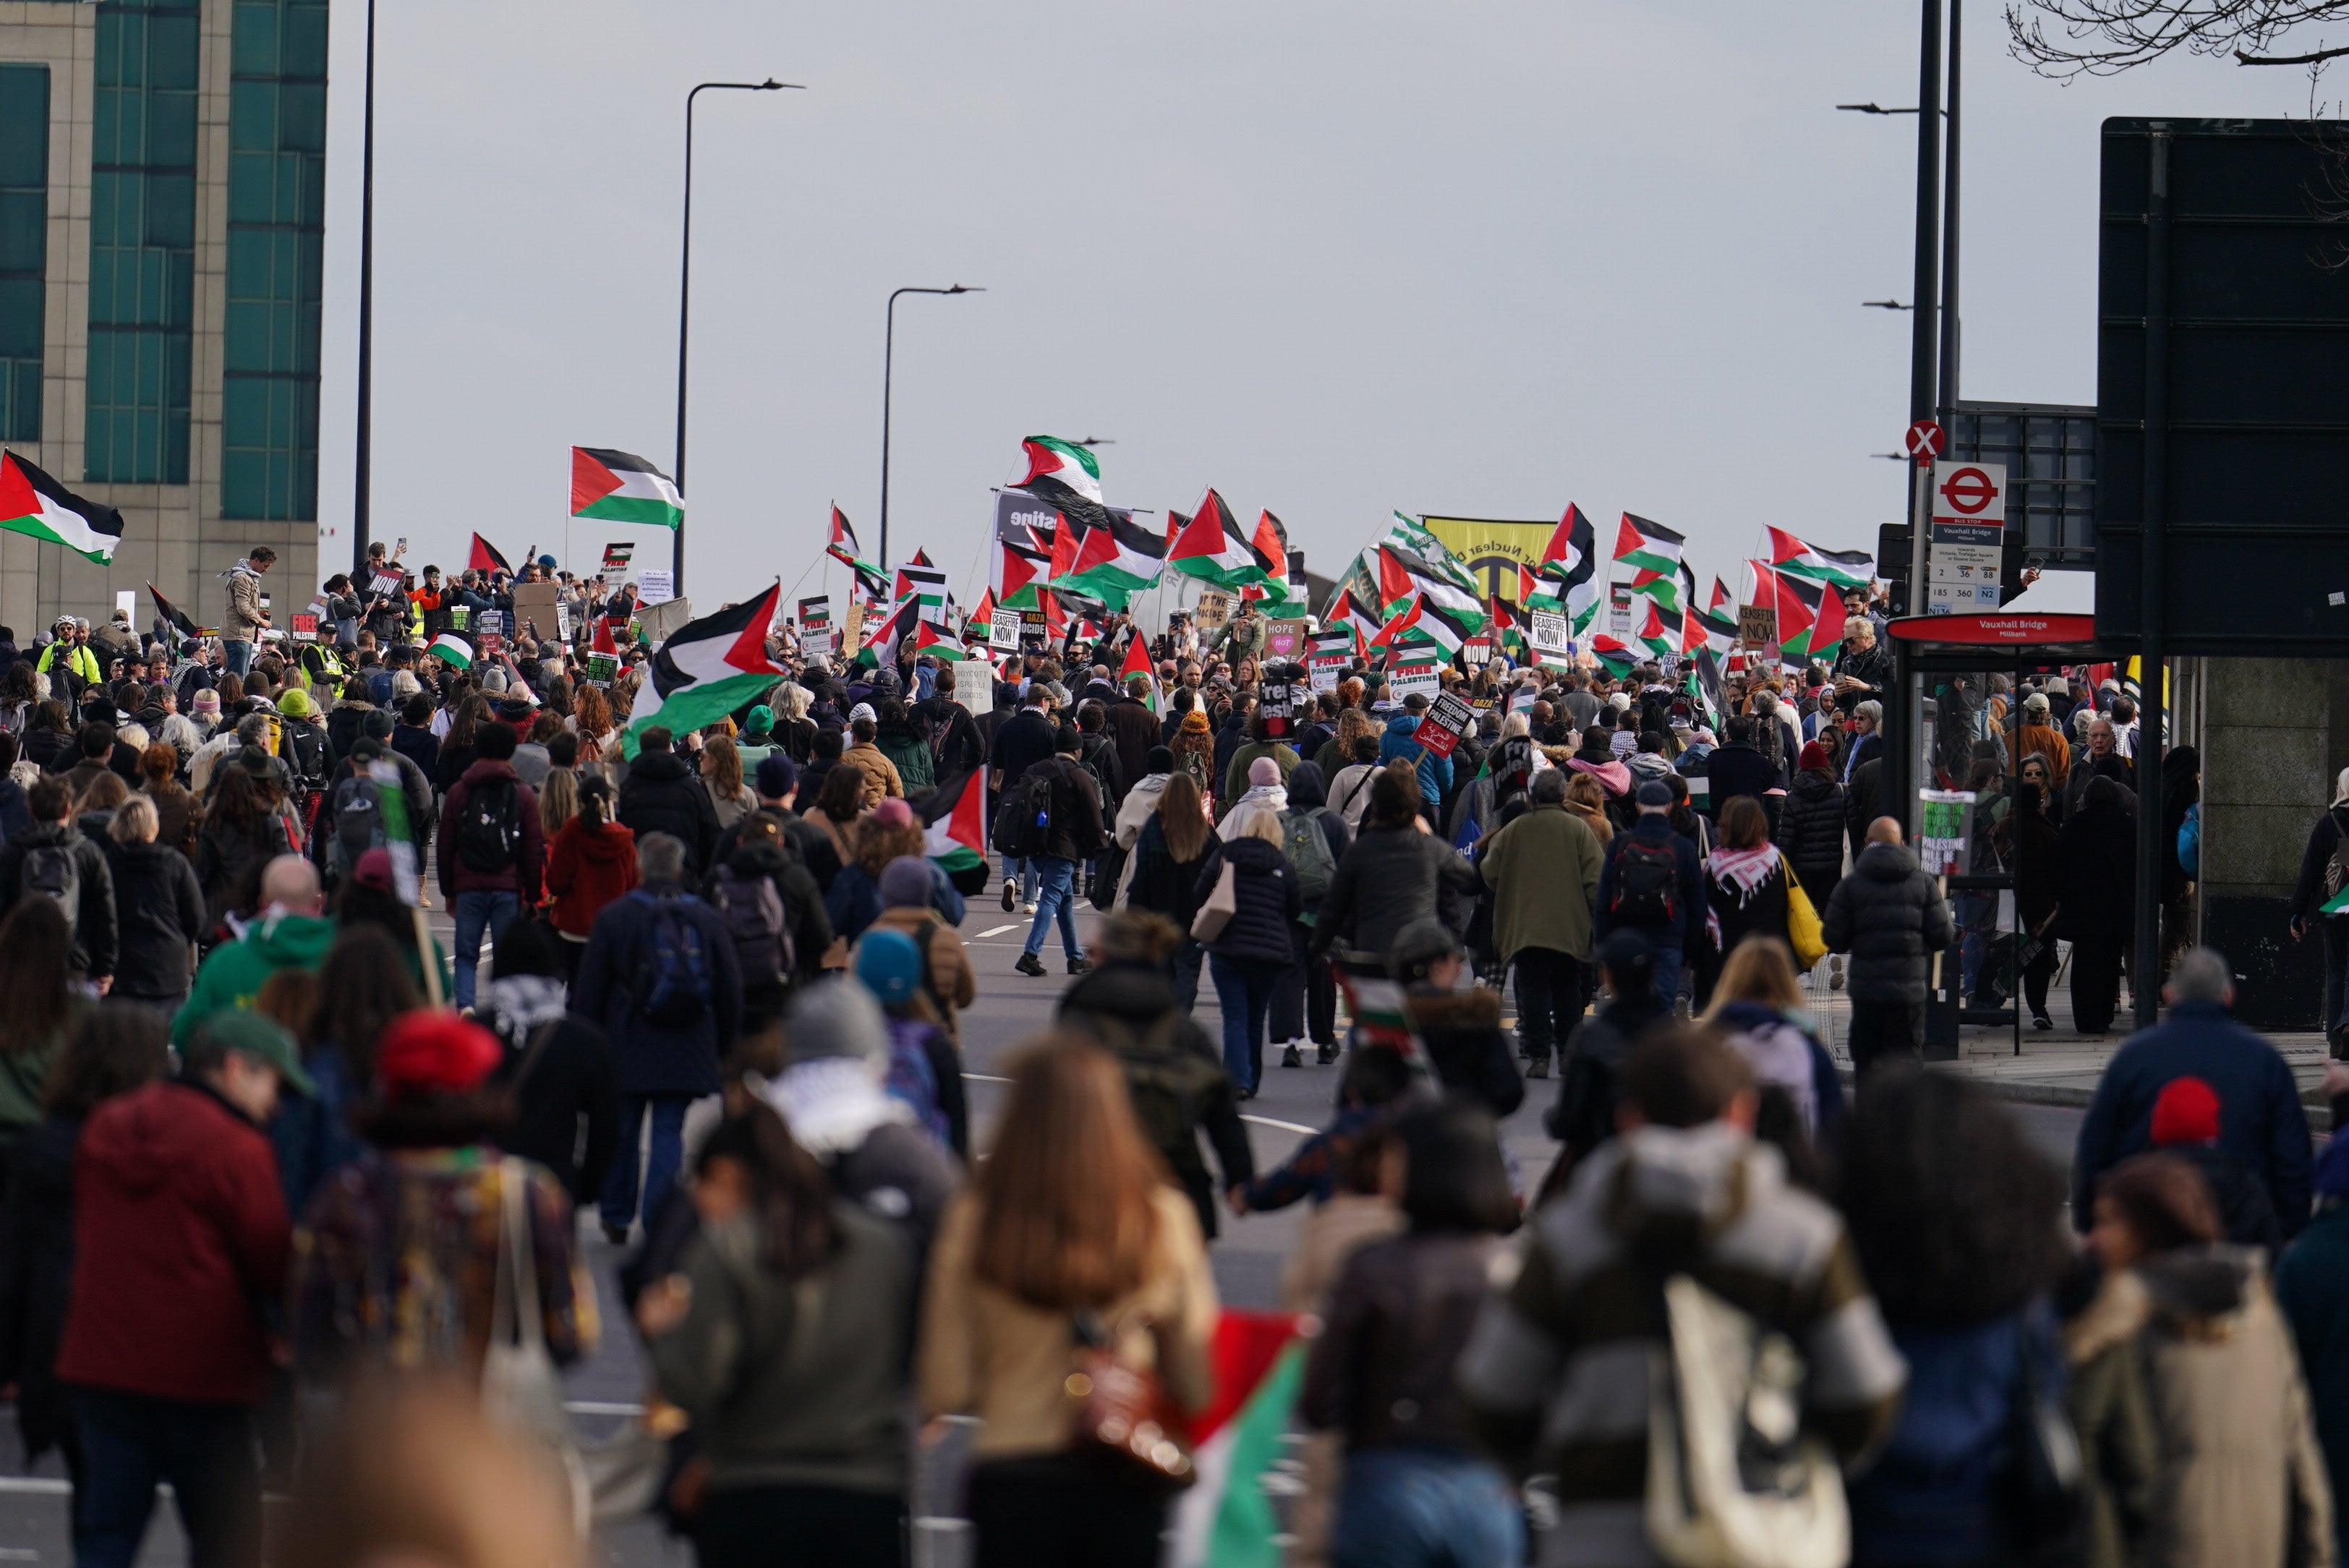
(623, 488)
(1225, 1520)
(1061, 473)
(707, 669)
(1137, 662)
(34, 504)
(1405, 574)
(1843, 568)
(1570, 562)
(1114, 559)
(1650, 546)
(1427, 621)
(1617, 660)
(1209, 545)
(485, 557)
(954, 828)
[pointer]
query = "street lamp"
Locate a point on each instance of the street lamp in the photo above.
(888, 355)
(1886, 305)
(684, 303)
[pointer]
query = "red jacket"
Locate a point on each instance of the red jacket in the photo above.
(522, 876)
(586, 870)
(181, 1243)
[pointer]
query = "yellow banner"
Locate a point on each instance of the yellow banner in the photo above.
(1493, 550)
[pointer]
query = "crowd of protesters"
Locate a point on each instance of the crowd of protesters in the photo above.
(291, 1194)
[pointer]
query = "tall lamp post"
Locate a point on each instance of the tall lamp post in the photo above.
(888, 356)
(363, 447)
(685, 302)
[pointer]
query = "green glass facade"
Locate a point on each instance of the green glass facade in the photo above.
(24, 245)
(142, 241)
(277, 228)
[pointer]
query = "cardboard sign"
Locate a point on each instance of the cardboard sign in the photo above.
(1420, 675)
(974, 687)
(305, 628)
(1214, 607)
(1003, 631)
(533, 604)
(1285, 639)
(655, 585)
(1758, 625)
(852, 631)
(1448, 719)
(661, 621)
(602, 669)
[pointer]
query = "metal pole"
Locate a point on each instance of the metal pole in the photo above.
(2145, 966)
(363, 446)
(1899, 740)
(888, 361)
(1948, 312)
(684, 321)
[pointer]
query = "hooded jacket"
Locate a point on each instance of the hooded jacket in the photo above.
(1543, 870)
(661, 795)
(1891, 918)
(1557, 1371)
(587, 868)
(159, 911)
(243, 620)
(523, 876)
(1435, 772)
(94, 930)
(1810, 833)
(233, 973)
(1388, 878)
(181, 1245)
(653, 1058)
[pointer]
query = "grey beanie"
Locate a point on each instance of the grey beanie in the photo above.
(836, 1018)
(905, 883)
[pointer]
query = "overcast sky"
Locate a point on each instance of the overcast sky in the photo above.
(1332, 258)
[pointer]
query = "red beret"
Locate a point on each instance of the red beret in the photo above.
(1813, 755)
(429, 1052)
(2186, 1111)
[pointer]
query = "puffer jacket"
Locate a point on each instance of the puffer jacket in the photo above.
(1891, 918)
(661, 795)
(1435, 772)
(1462, 1031)
(1810, 833)
(1266, 888)
(1388, 878)
(159, 910)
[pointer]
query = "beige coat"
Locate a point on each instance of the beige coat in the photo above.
(881, 780)
(2241, 1480)
(987, 1353)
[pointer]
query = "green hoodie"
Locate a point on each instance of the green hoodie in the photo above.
(234, 973)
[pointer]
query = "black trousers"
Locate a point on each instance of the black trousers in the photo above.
(2035, 976)
(1057, 1512)
(1885, 1031)
(2095, 983)
(1320, 1001)
(1552, 988)
(800, 1527)
(1287, 1020)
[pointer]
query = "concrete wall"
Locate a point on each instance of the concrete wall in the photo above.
(174, 534)
(2267, 740)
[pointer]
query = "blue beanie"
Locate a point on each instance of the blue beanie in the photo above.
(889, 965)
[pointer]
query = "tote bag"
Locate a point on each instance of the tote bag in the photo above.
(1221, 906)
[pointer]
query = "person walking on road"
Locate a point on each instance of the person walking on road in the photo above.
(1653, 883)
(2323, 872)
(2261, 1124)
(1163, 880)
(492, 856)
(1248, 954)
(1810, 826)
(1890, 916)
(2097, 901)
(661, 795)
(1542, 871)
(1395, 874)
(1071, 801)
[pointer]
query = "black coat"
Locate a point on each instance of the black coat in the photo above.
(94, 928)
(661, 795)
(1020, 742)
(158, 910)
(571, 1084)
(1737, 768)
(653, 1059)
(1265, 888)
(1810, 833)
(36, 1279)
(1076, 807)
(1161, 883)
(1891, 918)
(2096, 879)
(1387, 879)
(1470, 1055)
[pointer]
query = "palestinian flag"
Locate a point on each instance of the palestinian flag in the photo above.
(1710, 628)
(1269, 545)
(1137, 662)
(1650, 546)
(172, 613)
(1652, 634)
(1225, 1521)
(452, 651)
(954, 825)
(1570, 561)
(882, 635)
(1209, 546)
(1428, 621)
(1843, 568)
(1663, 587)
(1403, 573)
(1348, 613)
(929, 640)
(1054, 470)
(34, 504)
(1826, 621)
(707, 669)
(1795, 601)
(624, 488)
(485, 559)
(602, 641)
(1502, 628)
(982, 620)
(927, 586)
(841, 546)
(1617, 660)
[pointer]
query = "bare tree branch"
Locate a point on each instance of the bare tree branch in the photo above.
(2066, 38)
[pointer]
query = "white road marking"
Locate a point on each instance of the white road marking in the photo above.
(999, 931)
(1270, 1122)
(601, 1407)
(985, 1078)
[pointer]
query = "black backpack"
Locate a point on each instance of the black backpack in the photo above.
(674, 976)
(51, 871)
(755, 918)
(355, 822)
(1647, 884)
(489, 835)
(306, 755)
(1023, 820)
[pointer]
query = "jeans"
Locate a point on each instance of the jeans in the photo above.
(1187, 960)
(476, 913)
(1025, 870)
(1550, 986)
(619, 1204)
(131, 1441)
(1668, 965)
(1055, 901)
(1424, 1508)
(1882, 1030)
(1243, 988)
(236, 657)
